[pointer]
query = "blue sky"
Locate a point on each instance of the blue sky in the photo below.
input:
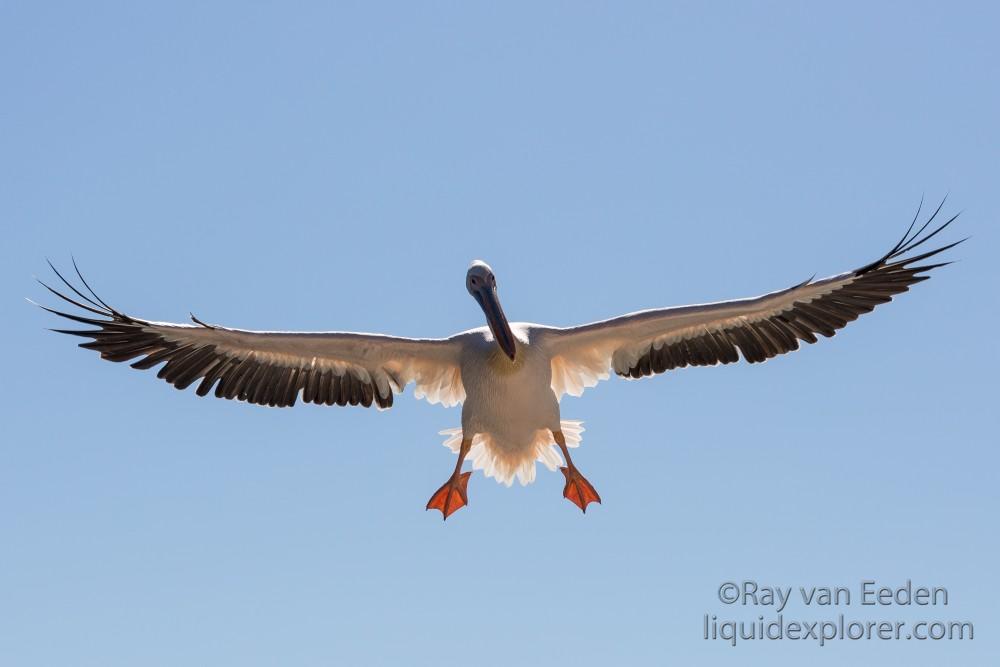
(337, 167)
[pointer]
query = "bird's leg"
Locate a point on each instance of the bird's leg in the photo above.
(452, 495)
(578, 490)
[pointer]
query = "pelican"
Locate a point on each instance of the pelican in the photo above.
(508, 376)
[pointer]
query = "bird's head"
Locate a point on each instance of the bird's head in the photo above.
(482, 285)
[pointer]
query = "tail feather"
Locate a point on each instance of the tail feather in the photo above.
(495, 462)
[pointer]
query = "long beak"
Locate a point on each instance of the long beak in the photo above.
(497, 321)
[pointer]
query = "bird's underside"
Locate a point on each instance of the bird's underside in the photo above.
(339, 368)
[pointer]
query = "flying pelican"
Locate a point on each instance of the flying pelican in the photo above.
(509, 377)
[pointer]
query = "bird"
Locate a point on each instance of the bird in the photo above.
(509, 377)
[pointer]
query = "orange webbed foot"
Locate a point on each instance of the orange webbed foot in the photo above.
(452, 496)
(578, 490)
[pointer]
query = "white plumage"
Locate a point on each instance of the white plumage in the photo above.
(487, 456)
(509, 377)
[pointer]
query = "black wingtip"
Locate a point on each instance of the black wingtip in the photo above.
(912, 240)
(76, 303)
(75, 290)
(87, 285)
(108, 315)
(916, 216)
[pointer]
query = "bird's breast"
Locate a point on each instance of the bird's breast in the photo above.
(505, 396)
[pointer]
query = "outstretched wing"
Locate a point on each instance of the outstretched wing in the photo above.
(655, 341)
(270, 367)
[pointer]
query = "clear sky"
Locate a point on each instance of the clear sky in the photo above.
(311, 166)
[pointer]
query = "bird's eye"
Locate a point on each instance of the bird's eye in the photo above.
(473, 280)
